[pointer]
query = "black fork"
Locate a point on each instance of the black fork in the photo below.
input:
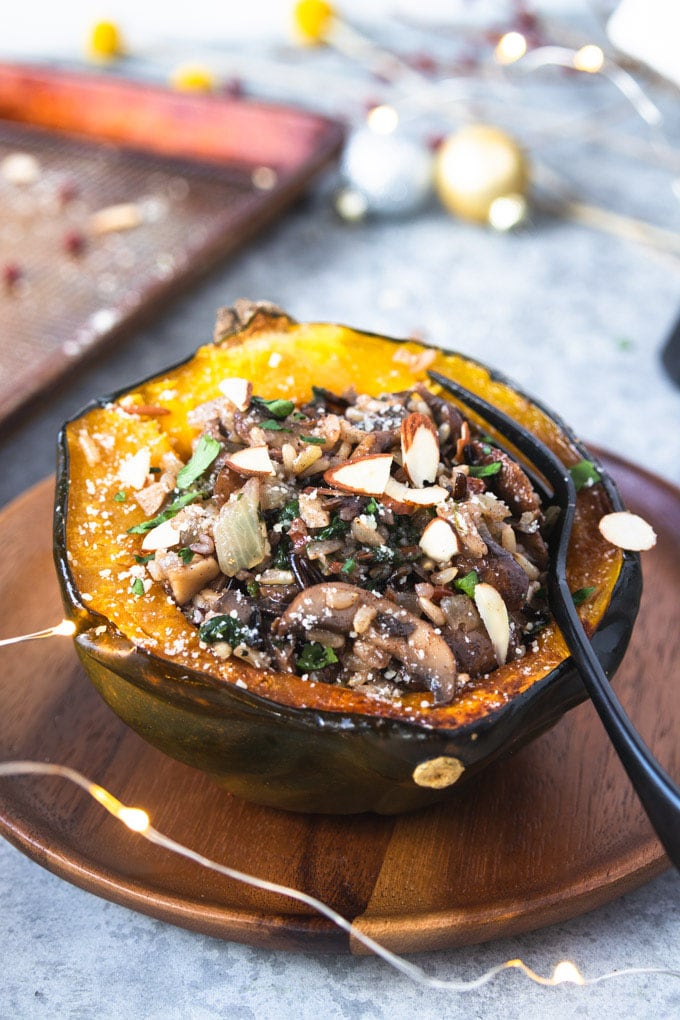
(658, 794)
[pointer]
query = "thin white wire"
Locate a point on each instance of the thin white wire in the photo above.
(410, 970)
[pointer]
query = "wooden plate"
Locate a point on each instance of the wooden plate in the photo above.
(550, 833)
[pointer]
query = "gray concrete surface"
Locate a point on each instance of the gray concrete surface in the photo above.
(576, 317)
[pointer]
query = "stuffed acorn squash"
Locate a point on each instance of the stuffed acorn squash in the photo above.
(294, 565)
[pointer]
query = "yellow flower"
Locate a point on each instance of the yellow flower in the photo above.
(193, 78)
(312, 20)
(105, 41)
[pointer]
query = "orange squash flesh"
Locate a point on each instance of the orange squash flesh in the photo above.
(318, 354)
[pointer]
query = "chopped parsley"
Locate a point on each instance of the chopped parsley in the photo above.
(205, 453)
(167, 514)
(582, 595)
(348, 566)
(276, 408)
(253, 588)
(185, 554)
(289, 512)
(485, 470)
(468, 583)
(372, 507)
(281, 558)
(145, 559)
(335, 529)
(314, 440)
(154, 471)
(315, 656)
(403, 532)
(137, 586)
(584, 474)
(385, 554)
(225, 628)
(120, 497)
(273, 426)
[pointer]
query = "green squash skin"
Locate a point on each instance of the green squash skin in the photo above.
(310, 760)
(325, 762)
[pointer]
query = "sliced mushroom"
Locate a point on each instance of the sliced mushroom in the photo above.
(186, 580)
(510, 483)
(412, 641)
(499, 568)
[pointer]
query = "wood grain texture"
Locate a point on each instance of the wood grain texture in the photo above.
(186, 161)
(551, 832)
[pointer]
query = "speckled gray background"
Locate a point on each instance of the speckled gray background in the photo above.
(576, 317)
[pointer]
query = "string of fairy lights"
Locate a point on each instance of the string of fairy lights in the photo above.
(478, 169)
(138, 821)
(479, 173)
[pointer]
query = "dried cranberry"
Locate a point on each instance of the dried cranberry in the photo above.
(74, 243)
(11, 274)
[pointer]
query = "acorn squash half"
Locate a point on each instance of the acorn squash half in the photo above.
(272, 737)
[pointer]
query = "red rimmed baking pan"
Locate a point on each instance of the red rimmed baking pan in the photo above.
(196, 176)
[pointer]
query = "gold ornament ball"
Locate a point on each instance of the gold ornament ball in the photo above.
(476, 166)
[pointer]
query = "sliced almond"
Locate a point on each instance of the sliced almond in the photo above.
(238, 391)
(439, 541)
(115, 217)
(627, 531)
(20, 168)
(462, 442)
(430, 495)
(419, 448)
(164, 536)
(366, 475)
(494, 614)
(252, 460)
(135, 469)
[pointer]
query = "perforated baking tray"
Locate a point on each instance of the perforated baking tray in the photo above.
(196, 176)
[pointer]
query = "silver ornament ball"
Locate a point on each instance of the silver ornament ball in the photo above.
(392, 172)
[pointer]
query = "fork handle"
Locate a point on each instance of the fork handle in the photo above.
(658, 794)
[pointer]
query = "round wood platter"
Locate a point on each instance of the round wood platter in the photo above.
(547, 834)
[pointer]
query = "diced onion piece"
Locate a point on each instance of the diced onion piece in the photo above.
(240, 536)
(627, 531)
(494, 615)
